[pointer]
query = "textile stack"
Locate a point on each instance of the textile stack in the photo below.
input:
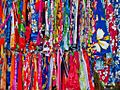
(59, 44)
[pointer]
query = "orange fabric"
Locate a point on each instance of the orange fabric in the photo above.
(4, 68)
(12, 71)
(35, 73)
(24, 9)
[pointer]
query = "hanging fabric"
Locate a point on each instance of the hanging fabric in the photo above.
(59, 44)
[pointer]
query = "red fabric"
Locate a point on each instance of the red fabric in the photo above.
(16, 36)
(64, 81)
(20, 73)
(58, 71)
(86, 57)
(32, 46)
(27, 72)
(2, 40)
(27, 33)
(73, 76)
(37, 6)
(1, 11)
(21, 42)
(19, 20)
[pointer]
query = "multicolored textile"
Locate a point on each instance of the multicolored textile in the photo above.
(59, 44)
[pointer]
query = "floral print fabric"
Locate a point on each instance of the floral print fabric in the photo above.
(59, 44)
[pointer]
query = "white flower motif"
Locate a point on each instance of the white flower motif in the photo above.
(105, 73)
(101, 43)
